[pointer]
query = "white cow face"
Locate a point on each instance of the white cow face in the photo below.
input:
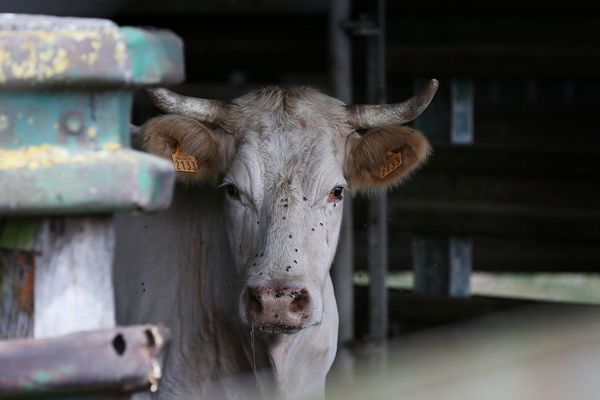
(285, 191)
(287, 159)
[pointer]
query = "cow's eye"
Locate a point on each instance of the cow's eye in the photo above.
(232, 191)
(336, 194)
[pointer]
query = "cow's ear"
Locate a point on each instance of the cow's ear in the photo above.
(195, 150)
(384, 157)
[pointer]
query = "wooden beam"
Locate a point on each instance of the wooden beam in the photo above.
(17, 276)
(501, 254)
(442, 265)
(73, 279)
(425, 309)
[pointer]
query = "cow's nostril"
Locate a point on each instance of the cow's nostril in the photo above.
(300, 302)
(285, 307)
(253, 300)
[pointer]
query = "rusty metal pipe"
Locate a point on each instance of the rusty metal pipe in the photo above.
(113, 362)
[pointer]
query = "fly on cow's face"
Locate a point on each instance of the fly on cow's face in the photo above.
(272, 147)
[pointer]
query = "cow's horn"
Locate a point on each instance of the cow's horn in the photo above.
(204, 110)
(364, 116)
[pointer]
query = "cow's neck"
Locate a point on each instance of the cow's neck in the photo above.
(301, 361)
(174, 268)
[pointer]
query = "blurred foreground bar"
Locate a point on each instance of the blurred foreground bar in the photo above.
(113, 363)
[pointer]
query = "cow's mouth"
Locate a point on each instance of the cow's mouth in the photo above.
(278, 329)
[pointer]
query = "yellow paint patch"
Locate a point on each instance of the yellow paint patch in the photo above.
(92, 132)
(121, 54)
(47, 156)
(4, 122)
(39, 55)
(112, 146)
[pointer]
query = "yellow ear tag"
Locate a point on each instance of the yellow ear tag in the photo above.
(394, 160)
(184, 162)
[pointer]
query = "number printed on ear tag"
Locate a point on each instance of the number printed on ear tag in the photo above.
(184, 162)
(394, 160)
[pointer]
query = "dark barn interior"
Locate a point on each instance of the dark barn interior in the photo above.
(514, 193)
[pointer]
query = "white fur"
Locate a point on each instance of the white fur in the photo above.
(290, 149)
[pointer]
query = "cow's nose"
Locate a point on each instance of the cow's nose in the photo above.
(277, 309)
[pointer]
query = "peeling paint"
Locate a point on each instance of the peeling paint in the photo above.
(47, 156)
(4, 122)
(42, 55)
(65, 110)
(121, 53)
(92, 132)
(112, 146)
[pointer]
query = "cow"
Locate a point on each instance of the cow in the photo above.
(238, 267)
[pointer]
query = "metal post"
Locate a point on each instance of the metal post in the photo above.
(378, 207)
(340, 48)
(340, 73)
(341, 79)
(101, 364)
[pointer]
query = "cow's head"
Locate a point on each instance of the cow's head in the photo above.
(287, 158)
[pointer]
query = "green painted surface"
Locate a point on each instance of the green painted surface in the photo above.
(88, 182)
(74, 119)
(41, 51)
(65, 103)
(42, 377)
(19, 234)
(155, 56)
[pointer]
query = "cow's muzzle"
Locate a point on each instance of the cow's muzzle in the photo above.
(283, 309)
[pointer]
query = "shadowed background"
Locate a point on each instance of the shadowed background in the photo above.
(522, 195)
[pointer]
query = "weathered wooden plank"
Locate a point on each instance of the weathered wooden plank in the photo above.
(17, 275)
(73, 280)
(55, 276)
